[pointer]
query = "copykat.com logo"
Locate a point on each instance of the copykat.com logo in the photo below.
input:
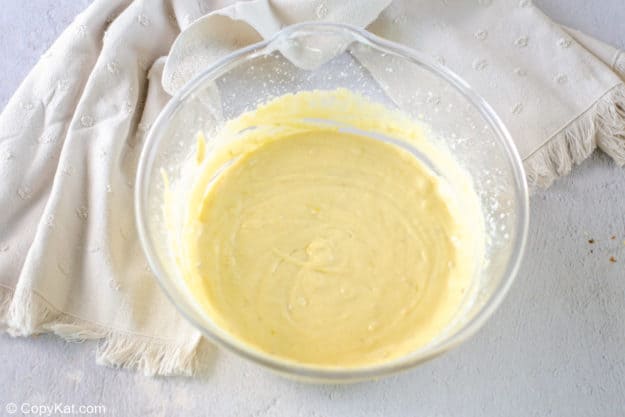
(54, 409)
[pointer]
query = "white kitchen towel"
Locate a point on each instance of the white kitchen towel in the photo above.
(70, 261)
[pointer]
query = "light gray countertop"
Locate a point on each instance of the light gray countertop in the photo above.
(555, 347)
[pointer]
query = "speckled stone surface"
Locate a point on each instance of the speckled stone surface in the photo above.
(555, 347)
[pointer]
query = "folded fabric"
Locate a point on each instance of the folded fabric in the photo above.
(70, 137)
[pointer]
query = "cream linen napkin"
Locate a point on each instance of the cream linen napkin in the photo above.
(70, 137)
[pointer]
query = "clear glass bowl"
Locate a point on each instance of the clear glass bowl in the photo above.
(328, 56)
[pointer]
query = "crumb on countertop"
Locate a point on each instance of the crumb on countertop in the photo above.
(591, 241)
(612, 259)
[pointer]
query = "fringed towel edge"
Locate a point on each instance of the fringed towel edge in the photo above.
(25, 313)
(602, 126)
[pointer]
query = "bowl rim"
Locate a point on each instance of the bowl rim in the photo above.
(335, 374)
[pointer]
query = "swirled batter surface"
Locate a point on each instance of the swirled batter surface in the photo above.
(320, 244)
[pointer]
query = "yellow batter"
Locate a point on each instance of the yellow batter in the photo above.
(320, 244)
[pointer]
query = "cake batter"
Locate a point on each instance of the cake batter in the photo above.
(319, 244)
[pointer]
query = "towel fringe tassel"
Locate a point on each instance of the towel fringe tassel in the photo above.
(602, 126)
(25, 313)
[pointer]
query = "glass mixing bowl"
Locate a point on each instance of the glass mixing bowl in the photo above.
(326, 56)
